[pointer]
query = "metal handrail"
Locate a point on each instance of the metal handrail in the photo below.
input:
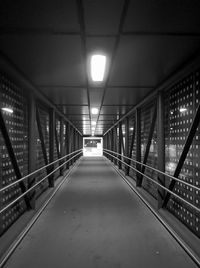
(161, 186)
(36, 171)
(35, 185)
(156, 170)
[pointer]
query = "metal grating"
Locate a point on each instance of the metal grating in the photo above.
(185, 94)
(17, 125)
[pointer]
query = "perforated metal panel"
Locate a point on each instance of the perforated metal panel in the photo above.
(146, 122)
(17, 125)
(180, 106)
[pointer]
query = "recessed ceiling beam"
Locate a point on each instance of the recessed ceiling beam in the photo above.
(50, 31)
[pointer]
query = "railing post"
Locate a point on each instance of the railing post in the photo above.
(31, 147)
(126, 143)
(138, 145)
(161, 147)
(52, 126)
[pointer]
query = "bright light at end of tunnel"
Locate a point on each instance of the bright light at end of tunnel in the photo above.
(8, 110)
(94, 111)
(98, 64)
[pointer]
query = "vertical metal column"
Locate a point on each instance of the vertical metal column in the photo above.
(138, 145)
(161, 147)
(51, 145)
(115, 143)
(61, 144)
(120, 145)
(112, 142)
(126, 143)
(67, 140)
(31, 147)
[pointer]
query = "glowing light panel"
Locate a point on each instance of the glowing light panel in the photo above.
(9, 110)
(98, 64)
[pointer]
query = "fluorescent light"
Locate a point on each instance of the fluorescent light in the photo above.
(93, 123)
(93, 128)
(6, 109)
(92, 134)
(98, 63)
(94, 110)
(131, 128)
(182, 110)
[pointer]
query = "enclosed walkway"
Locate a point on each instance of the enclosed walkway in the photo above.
(96, 220)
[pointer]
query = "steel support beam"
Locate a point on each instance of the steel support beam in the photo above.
(131, 149)
(184, 153)
(115, 142)
(51, 144)
(161, 147)
(44, 152)
(61, 144)
(151, 130)
(120, 144)
(126, 143)
(138, 145)
(67, 140)
(32, 147)
(13, 158)
(122, 140)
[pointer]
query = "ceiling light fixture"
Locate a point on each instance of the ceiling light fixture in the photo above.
(182, 109)
(6, 109)
(94, 110)
(98, 64)
(93, 123)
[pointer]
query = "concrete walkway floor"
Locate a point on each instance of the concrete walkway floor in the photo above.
(96, 220)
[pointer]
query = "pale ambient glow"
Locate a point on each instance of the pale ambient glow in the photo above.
(182, 110)
(93, 123)
(98, 63)
(94, 111)
(9, 110)
(93, 128)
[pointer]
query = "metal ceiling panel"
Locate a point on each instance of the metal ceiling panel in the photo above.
(78, 117)
(74, 109)
(155, 16)
(119, 110)
(145, 61)
(66, 96)
(47, 60)
(95, 96)
(102, 17)
(33, 16)
(125, 96)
